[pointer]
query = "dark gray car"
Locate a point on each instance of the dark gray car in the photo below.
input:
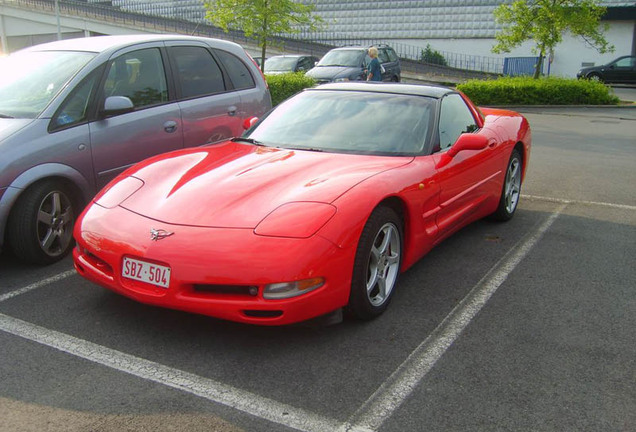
(350, 64)
(75, 113)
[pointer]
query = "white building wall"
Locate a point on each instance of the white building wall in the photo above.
(568, 56)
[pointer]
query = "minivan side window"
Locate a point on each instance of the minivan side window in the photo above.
(138, 75)
(239, 73)
(382, 55)
(455, 119)
(198, 74)
(392, 55)
(74, 110)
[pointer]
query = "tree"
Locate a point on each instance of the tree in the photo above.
(545, 21)
(261, 19)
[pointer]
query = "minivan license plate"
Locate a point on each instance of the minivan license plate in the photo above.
(154, 274)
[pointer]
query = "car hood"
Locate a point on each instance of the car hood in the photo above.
(10, 126)
(333, 72)
(235, 185)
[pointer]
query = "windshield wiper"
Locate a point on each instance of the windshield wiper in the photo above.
(314, 149)
(247, 140)
(5, 116)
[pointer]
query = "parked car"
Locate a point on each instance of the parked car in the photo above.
(289, 63)
(350, 64)
(319, 206)
(621, 70)
(75, 113)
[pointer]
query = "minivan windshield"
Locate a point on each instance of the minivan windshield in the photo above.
(348, 58)
(30, 80)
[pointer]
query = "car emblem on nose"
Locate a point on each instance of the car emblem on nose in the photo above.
(159, 234)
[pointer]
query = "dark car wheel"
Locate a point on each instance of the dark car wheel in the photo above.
(41, 223)
(511, 189)
(594, 77)
(377, 264)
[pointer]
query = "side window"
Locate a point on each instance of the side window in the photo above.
(627, 62)
(74, 110)
(455, 119)
(198, 72)
(239, 73)
(383, 56)
(138, 75)
(392, 55)
(303, 64)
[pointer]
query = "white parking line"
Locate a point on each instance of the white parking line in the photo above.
(37, 285)
(566, 201)
(214, 391)
(397, 388)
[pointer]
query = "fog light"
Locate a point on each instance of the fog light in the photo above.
(291, 289)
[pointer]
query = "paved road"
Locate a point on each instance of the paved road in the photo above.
(527, 325)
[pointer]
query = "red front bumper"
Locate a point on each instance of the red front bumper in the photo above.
(203, 259)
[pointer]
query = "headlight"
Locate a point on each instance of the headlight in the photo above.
(295, 220)
(117, 193)
(284, 290)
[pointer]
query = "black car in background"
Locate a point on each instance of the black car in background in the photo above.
(621, 70)
(350, 64)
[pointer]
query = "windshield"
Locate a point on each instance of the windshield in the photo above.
(280, 63)
(30, 80)
(349, 122)
(349, 58)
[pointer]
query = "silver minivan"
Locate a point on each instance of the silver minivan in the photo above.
(75, 113)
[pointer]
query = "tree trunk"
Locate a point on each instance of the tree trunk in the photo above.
(539, 65)
(263, 49)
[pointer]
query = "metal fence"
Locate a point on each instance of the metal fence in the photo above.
(519, 66)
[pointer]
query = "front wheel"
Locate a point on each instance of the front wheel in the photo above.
(41, 223)
(377, 264)
(511, 189)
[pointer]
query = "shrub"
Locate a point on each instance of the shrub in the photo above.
(432, 56)
(544, 91)
(285, 85)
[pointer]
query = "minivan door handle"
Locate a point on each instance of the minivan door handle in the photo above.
(170, 126)
(231, 111)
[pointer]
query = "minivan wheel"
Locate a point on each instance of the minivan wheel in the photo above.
(41, 223)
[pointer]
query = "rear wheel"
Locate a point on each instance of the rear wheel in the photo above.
(377, 264)
(41, 223)
(511, 189)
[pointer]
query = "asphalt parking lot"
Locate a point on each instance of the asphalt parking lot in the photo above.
(526, 325)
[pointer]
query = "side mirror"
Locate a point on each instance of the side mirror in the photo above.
(249, 122)
(115, 105)
(468, 141)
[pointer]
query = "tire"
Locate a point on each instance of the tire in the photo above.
(41, 223)
(377, 264)
(395, 78)
(511, 189)
(595, 77)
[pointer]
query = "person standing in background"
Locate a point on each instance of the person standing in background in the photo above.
(375, 70)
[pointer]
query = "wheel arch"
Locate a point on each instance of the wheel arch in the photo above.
(77, 184)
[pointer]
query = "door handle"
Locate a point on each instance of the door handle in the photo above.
(170, 126)
(231, 111)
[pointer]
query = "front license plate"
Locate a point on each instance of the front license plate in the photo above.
(154, 274)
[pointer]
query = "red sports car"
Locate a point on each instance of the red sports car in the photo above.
(319, 206)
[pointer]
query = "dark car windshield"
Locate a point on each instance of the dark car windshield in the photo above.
(349, 122)
(30, 80)
(280, 64)
(348, 58)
